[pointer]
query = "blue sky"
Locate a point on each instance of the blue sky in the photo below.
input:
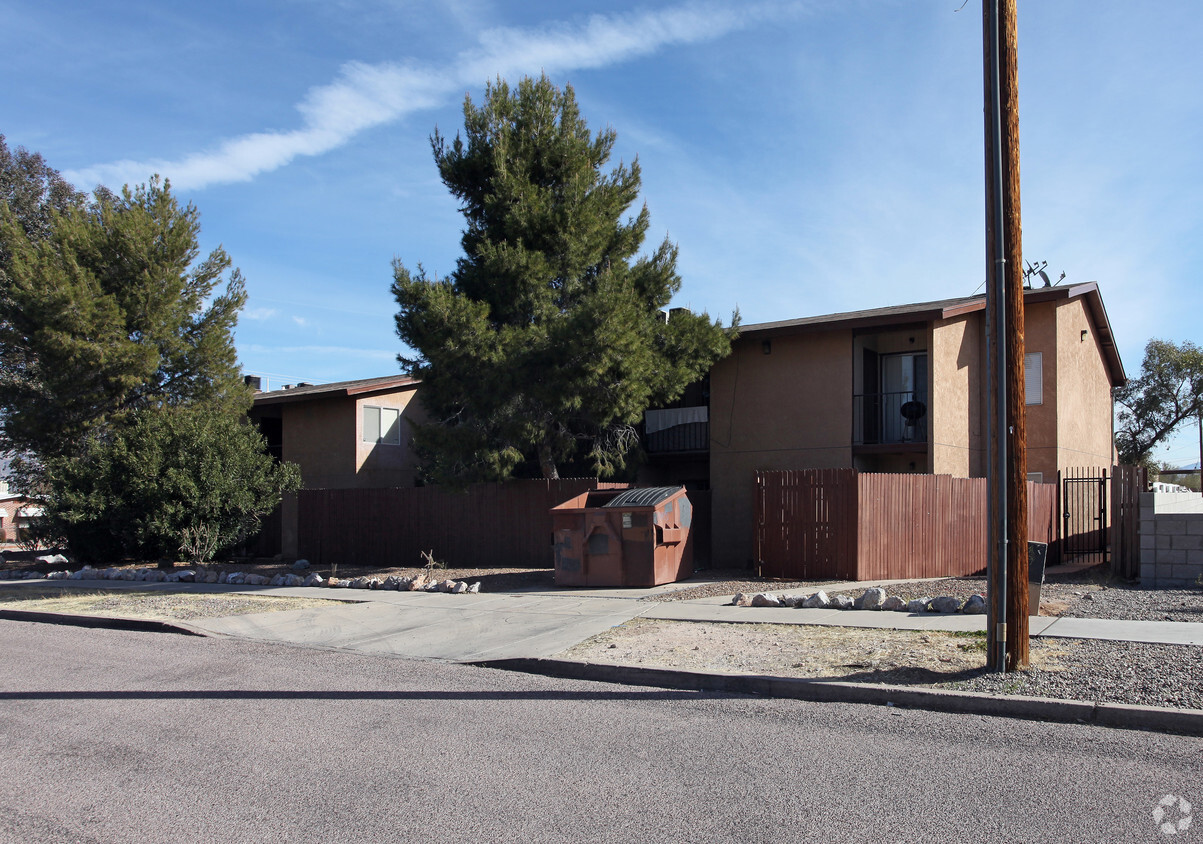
(806, 157)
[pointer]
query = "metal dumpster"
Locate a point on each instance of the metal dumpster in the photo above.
(624, 537)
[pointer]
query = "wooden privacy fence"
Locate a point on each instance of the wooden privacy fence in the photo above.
(487, 526)
(1127, 483)
(841, 524)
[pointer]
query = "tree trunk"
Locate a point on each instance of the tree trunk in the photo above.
(547, 463)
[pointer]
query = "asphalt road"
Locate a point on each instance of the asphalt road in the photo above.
(139, 737)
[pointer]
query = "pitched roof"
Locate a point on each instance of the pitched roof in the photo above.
(303, 392)
(946, 309)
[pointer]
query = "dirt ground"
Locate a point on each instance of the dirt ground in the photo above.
(136, 603)
(788, 650)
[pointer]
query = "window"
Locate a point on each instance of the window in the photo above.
(1033, 378)
(1036, 477)
(381, 425)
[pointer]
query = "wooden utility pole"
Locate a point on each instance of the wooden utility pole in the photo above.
(1005, 327)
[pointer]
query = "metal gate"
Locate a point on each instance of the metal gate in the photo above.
(1084, 510)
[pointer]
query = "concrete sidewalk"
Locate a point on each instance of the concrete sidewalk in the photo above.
(540, 623)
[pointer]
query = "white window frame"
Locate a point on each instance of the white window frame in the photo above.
(386, 434)
(1036, 477)
(1033, 378)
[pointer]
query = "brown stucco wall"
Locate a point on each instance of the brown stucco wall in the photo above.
(790, 409)
(955, 415)
(318, 435)
(1084, 408)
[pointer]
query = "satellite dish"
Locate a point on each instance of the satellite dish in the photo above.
(1044, 277)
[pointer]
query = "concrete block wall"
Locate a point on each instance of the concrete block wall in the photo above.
(1171, 539)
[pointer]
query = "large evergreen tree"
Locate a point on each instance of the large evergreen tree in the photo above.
(110, 312)
(119, 390)
(549, 340)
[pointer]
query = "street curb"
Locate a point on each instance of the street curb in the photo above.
(141, 625)
(1117, 715)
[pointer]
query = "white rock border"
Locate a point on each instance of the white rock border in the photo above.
(210, 574)
(872, 599)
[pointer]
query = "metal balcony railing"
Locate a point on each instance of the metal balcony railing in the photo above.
(889, 418)
(677, 429)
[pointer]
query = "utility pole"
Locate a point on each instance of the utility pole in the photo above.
(1007, 647)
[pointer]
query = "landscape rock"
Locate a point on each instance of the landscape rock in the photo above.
(418, 582)
(360, 583)
(817, 601)
(460, 588)
(57, 575)
(871, 599)
(186, 576)
(278, 580)
(446, 585)
(791, 601)
(841, 602)
(894, 604)
(946, 604)
(474, 589)
(741, 600)
(765, 599)
(300, 565)
(976, 605)
(918, 605)
(313, 579)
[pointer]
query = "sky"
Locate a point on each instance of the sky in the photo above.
(806, 157)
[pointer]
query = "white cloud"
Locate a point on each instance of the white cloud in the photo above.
(259, 313)
(301, 321)
(364, 95)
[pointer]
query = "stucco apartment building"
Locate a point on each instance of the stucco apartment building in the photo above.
(346, 435)
(897, 389)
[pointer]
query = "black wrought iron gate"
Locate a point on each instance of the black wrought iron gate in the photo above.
(1084, 511)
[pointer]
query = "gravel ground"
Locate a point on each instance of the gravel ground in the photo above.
(1094, 670)
(1098, 670)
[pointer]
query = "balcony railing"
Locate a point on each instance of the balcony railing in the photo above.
(889, 418)
(676, 429)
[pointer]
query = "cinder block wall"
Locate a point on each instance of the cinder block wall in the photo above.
(1171, 539)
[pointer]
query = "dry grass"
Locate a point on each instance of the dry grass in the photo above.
(136, 603)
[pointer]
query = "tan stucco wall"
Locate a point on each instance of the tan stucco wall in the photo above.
(955, 421)
(1040, 335)
(1084, 408)
(387, 465)
(791, 409)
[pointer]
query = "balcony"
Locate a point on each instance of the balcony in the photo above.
(890, 419)
(677, 430)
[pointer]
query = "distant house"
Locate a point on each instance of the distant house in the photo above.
(897, 389)
(350, 434)
(16, 513)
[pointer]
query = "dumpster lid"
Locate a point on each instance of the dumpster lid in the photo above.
(645, 497)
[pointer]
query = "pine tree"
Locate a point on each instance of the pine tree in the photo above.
(549, 339)
(108, 313)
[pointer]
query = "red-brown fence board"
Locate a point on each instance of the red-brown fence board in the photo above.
(819, 524)
(486, 526)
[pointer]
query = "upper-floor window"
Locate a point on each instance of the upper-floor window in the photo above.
(1033, 378)
(381, 425)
